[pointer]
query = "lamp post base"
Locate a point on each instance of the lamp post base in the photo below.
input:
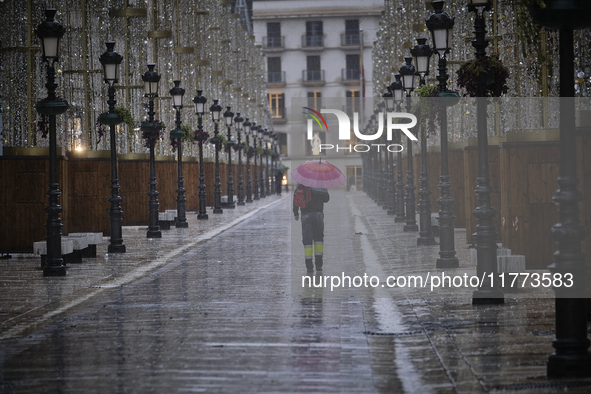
(184, 224)
(240, 203)
(116, 248)
(408, 228)
(426, 241)
(218, 210)
(569, 366)
(450, 262)
(202, 216)
(154, 234)
(488, 296)
(58, 270)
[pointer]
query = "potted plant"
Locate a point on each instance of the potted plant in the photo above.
(219, 141)
(485, 76)
(153, 130)
(121, 115)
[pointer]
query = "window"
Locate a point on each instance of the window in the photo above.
(274, 35)
(314, 34)
(351, 36)
(277, 105)
(352, 70)
(282, 141)
(313, 71)
(274, 74)
(353, 102)
(314, 100)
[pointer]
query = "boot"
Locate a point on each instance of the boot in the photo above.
(309, 265)
(318, 263)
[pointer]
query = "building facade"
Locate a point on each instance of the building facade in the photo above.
(318, 55)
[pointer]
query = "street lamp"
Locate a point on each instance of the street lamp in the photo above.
(422, 54)
(397, 90)
(267, 139)
(391, 191)
(254, 130)
(571, 358)
(177, 94)
(201, 137)
(151, 131)
(230, 184)
(216, 111)
(276, 181)
(50, 32)
(407, 71)
(261, 135)
(486, 246)
(239, 122)
(110, 61)
(440, 25)
(247, 125)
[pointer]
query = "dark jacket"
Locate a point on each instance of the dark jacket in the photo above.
(316, 204)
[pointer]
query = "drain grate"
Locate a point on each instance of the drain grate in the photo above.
(393, 334)
(542, 385)
(542, 333)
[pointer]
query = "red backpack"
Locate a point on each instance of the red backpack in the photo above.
(302, 196)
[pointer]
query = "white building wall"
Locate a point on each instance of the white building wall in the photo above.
(293, 16)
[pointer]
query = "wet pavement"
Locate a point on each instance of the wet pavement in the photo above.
(219, 307)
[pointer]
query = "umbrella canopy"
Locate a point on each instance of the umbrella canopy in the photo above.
(319, 174)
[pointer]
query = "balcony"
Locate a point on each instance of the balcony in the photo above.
(350, 76)
(313, 77)
(273, 43)
(349, 39)
(276, 78)
(312, 42)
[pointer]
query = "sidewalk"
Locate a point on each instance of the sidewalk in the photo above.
(211, 309)
(28, 298)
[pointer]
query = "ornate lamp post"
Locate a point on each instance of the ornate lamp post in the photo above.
(239, 121)
(201, 137)
(230, 184)
(247, 130)
(390, 200)
(440, 25)
(571, 358)
(407, 71)
(486, 246)
(267, 139)
(422, 53)
(273, 137)
(151, 132)
(177, 94)
(110, 60)
(50, 32)
(261, 136)
(216, 111)
(397, 90)
(254, 130)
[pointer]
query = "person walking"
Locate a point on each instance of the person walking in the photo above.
(278, 181)
(310, 202)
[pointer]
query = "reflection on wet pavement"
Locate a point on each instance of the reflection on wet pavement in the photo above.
(217, 311)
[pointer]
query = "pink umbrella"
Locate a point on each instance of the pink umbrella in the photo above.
(319, 174)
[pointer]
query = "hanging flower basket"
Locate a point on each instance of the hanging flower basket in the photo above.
(431, 103)
(484, 76)
(219, 141)
(201, 136)
(560, 14)
(152, 130)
